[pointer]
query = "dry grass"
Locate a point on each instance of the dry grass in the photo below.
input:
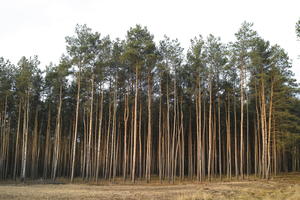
(284, 187)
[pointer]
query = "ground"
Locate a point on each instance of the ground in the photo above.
(283, 187)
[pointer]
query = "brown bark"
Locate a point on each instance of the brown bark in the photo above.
(76, 125)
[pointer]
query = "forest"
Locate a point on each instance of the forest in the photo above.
(136, 109)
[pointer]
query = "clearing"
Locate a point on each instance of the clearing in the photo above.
(285, 186)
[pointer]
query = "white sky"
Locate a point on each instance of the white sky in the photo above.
(39, 27)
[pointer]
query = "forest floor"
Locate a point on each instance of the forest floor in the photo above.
(282, 187)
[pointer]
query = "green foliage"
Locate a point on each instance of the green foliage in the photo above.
(7, 73)
(28, 77)
(298, 28)
(139, 49)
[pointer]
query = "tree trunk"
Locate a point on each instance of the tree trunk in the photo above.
(269, 130)
(219, 134)
(135, 126)
(99, 136)
(235, 140)
(149, 139)
(17, 141)
(76, 126)
(57, 136)
(228, 130)
(242, 124)
(47, 146)
(210, 131)
(34, 153)
(88, 168)
(25, 136)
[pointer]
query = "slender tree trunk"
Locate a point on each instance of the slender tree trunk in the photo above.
(257, 127)
(5, 142)
(210, 131)
(264, 131)
(25, 136)
(126, 115)
(149, 146)
(99, 136)
(199, 134)
(168, 136)
(269, 130)
(219, 134)
(57, 137)
(182, 142)
(235, 140)
(275, 149)
(47, 146)
(248, 148)
(114, 134)
(17, 141)
(160, 135)
(190, 146)
(88, 168)
(141, 162)
(76, 126)
(242, 124)
(228, 129)
(135, 126)
(108, 144)
(34, 148)
(204, 139)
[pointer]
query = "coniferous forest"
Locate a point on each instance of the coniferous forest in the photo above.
(136, 109)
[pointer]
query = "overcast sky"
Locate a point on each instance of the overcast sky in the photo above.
(39, 27)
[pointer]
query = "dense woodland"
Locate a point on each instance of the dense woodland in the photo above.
(136, 109)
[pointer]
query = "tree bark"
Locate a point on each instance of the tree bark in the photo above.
(76, 126)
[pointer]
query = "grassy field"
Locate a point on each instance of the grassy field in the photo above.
(283, 187)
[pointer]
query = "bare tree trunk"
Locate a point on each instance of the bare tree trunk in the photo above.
(99, 136)
(269, 131)
(76, 126)
(210, 131)
(107, 154)
(114, 134)
(264, 131)
(88, 168)
(174, 128)
(248, 148)
(34, 147)
(257, 136)
(168, 136)
(219, 134)
(242, 124)
(228, 130)
(149, 139)
(47, 146)
(275, 149)
(199, 133)
(160, 135)
(5, 142)
(17, 141)
(126, 115)
(25, 136)
(141, 162)
(135, 126)
(57, 136)
(204, 141)
(190, 147)
(182, 143)
(214, 141)
(235, 140)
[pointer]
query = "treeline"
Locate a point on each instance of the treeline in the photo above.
(136, 109)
